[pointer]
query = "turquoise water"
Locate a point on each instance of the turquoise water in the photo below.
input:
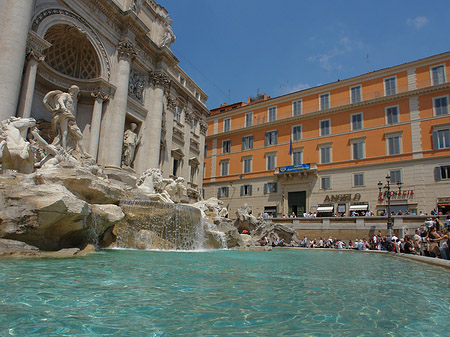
(224, 293)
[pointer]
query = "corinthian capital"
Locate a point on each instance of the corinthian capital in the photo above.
(127, 50)
(100, 94)
(159, 79)
(203, 127)
(32, 54)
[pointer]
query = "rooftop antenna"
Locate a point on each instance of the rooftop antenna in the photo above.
(367, 61)
(229, 96)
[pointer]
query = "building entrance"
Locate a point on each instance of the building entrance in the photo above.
(297, 203)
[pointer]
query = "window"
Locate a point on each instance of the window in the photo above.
(355, 94)
(441, 139)
(357, 121)
(440, 105)
(438, 75)
(176, 165)
(226, 146)
(296, 133)
(226, 125)
(178, 114)
(297, 157)
(325, 127)
(247, 142)
(358, 179)
(270, 188)
(272, 114)
(324, 102)
(442, 172)
(271, 161)
(223, 192)
(193, 173)
(325, 183)
(297, 108)
(392, 115)
(325, 154)
(393, 144)
(357, 148)
(246, 190)
(249, 119)
(271, 138)
(247, 165)
(224, 165)
(396, 176)
(390, 86)
(205, 150)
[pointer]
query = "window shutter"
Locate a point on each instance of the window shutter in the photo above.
(265, 188)
(250, 190)
(435, 140)
(243, 141)
(251, 142)
(275, 187)
(276, 137)
(227, 191)
(266, 139)
(218, 192)
(437, 173)
(242, 190)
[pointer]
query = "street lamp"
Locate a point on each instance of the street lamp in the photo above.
(387, 189)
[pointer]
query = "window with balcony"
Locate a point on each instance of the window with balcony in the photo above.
(392, 115)
(297, 157)
(357, 121)
(438, 74)
(271, 138)
(249, 119)
(178, 112)
(296, 133)
(247, 142)
(297, 108)
(440, 105)
(390, 86)
(355, 94)
(226, 146)
(324, 101)
(226, 125)
(325, 127)
(272, 114)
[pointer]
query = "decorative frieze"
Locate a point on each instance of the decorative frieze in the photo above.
(188, 117)
(136, 85)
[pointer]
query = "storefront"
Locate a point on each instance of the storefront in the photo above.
(443, 205)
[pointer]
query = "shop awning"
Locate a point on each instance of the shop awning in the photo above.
(324, 209)
(443, 203)
(359, 207)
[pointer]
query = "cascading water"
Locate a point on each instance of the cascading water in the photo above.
(156, 225)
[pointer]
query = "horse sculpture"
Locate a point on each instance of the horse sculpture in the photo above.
(15, 150)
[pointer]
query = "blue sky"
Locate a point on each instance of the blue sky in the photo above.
(235, 48)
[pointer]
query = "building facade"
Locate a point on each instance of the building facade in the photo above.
(324, 150)
(118, 53)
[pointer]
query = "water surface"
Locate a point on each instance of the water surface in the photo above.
(223, 293)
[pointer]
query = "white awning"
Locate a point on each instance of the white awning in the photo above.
(359, 207)
(324, 209)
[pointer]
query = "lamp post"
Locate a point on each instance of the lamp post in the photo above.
(387, 189)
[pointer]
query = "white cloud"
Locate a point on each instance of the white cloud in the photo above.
(418, 22)
(287, 88)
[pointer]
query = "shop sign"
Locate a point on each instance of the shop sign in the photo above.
(409, 194)
(294, 168)
(342, 198)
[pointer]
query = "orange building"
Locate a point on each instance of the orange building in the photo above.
(325, 149)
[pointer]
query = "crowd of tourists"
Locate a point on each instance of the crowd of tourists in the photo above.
(431, 239)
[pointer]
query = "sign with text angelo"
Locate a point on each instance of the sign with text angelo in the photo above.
(342, 197)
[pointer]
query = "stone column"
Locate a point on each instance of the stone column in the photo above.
(167, 165)
(203, 130)
(96, 119)
(113, 125)
(153, 131)
(188, 119)
(14, 25)
(29, 81)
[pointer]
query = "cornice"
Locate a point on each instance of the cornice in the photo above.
(327, 112)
